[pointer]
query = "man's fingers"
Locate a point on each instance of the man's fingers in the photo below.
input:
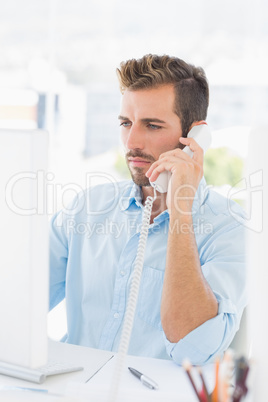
(198, 153)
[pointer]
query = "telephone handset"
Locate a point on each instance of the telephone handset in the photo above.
(202, 136)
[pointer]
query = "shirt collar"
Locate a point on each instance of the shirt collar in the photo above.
(132, 193)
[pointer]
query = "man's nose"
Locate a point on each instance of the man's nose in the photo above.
(135, 139)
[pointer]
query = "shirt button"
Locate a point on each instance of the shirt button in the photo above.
(122, 272)
(116, 315)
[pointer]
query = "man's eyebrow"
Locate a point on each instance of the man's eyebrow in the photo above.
(145, 120)
(152, 119)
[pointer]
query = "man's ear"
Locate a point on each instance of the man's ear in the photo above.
(198, 123)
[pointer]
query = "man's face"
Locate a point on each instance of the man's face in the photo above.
(149, 127)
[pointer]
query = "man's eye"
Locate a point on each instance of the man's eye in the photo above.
(154, 126)
(125, 124)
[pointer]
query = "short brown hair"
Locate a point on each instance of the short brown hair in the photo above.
(190, 84)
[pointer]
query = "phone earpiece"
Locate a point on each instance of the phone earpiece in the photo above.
(202, 135)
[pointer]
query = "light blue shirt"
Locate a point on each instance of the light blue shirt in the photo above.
(93, 248)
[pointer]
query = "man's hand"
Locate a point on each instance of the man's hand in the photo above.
(186, 175)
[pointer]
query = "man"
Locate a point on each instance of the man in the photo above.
(192, 291)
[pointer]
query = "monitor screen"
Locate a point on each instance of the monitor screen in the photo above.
(24, 247)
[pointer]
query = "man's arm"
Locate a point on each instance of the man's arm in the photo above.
(187, 299)
(223, 265)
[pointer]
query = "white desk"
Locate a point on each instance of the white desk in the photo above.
(173, 383)
(91, 359)
(93, 384)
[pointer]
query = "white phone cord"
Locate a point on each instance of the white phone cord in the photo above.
(132, 299)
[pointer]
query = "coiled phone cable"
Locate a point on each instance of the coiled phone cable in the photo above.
(132, 299)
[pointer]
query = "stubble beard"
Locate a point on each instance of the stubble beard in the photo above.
(139, 177)
(138, 173)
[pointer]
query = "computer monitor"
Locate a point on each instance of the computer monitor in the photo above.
(24, 248)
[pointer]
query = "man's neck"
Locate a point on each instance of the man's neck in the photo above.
(159, 204)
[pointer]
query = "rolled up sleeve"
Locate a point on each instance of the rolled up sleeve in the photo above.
(205, 342)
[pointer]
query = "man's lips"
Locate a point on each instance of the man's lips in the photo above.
(138, 162)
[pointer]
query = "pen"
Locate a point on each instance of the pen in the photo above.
(144, 379)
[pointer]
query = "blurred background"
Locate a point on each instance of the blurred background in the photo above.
(57, 72)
